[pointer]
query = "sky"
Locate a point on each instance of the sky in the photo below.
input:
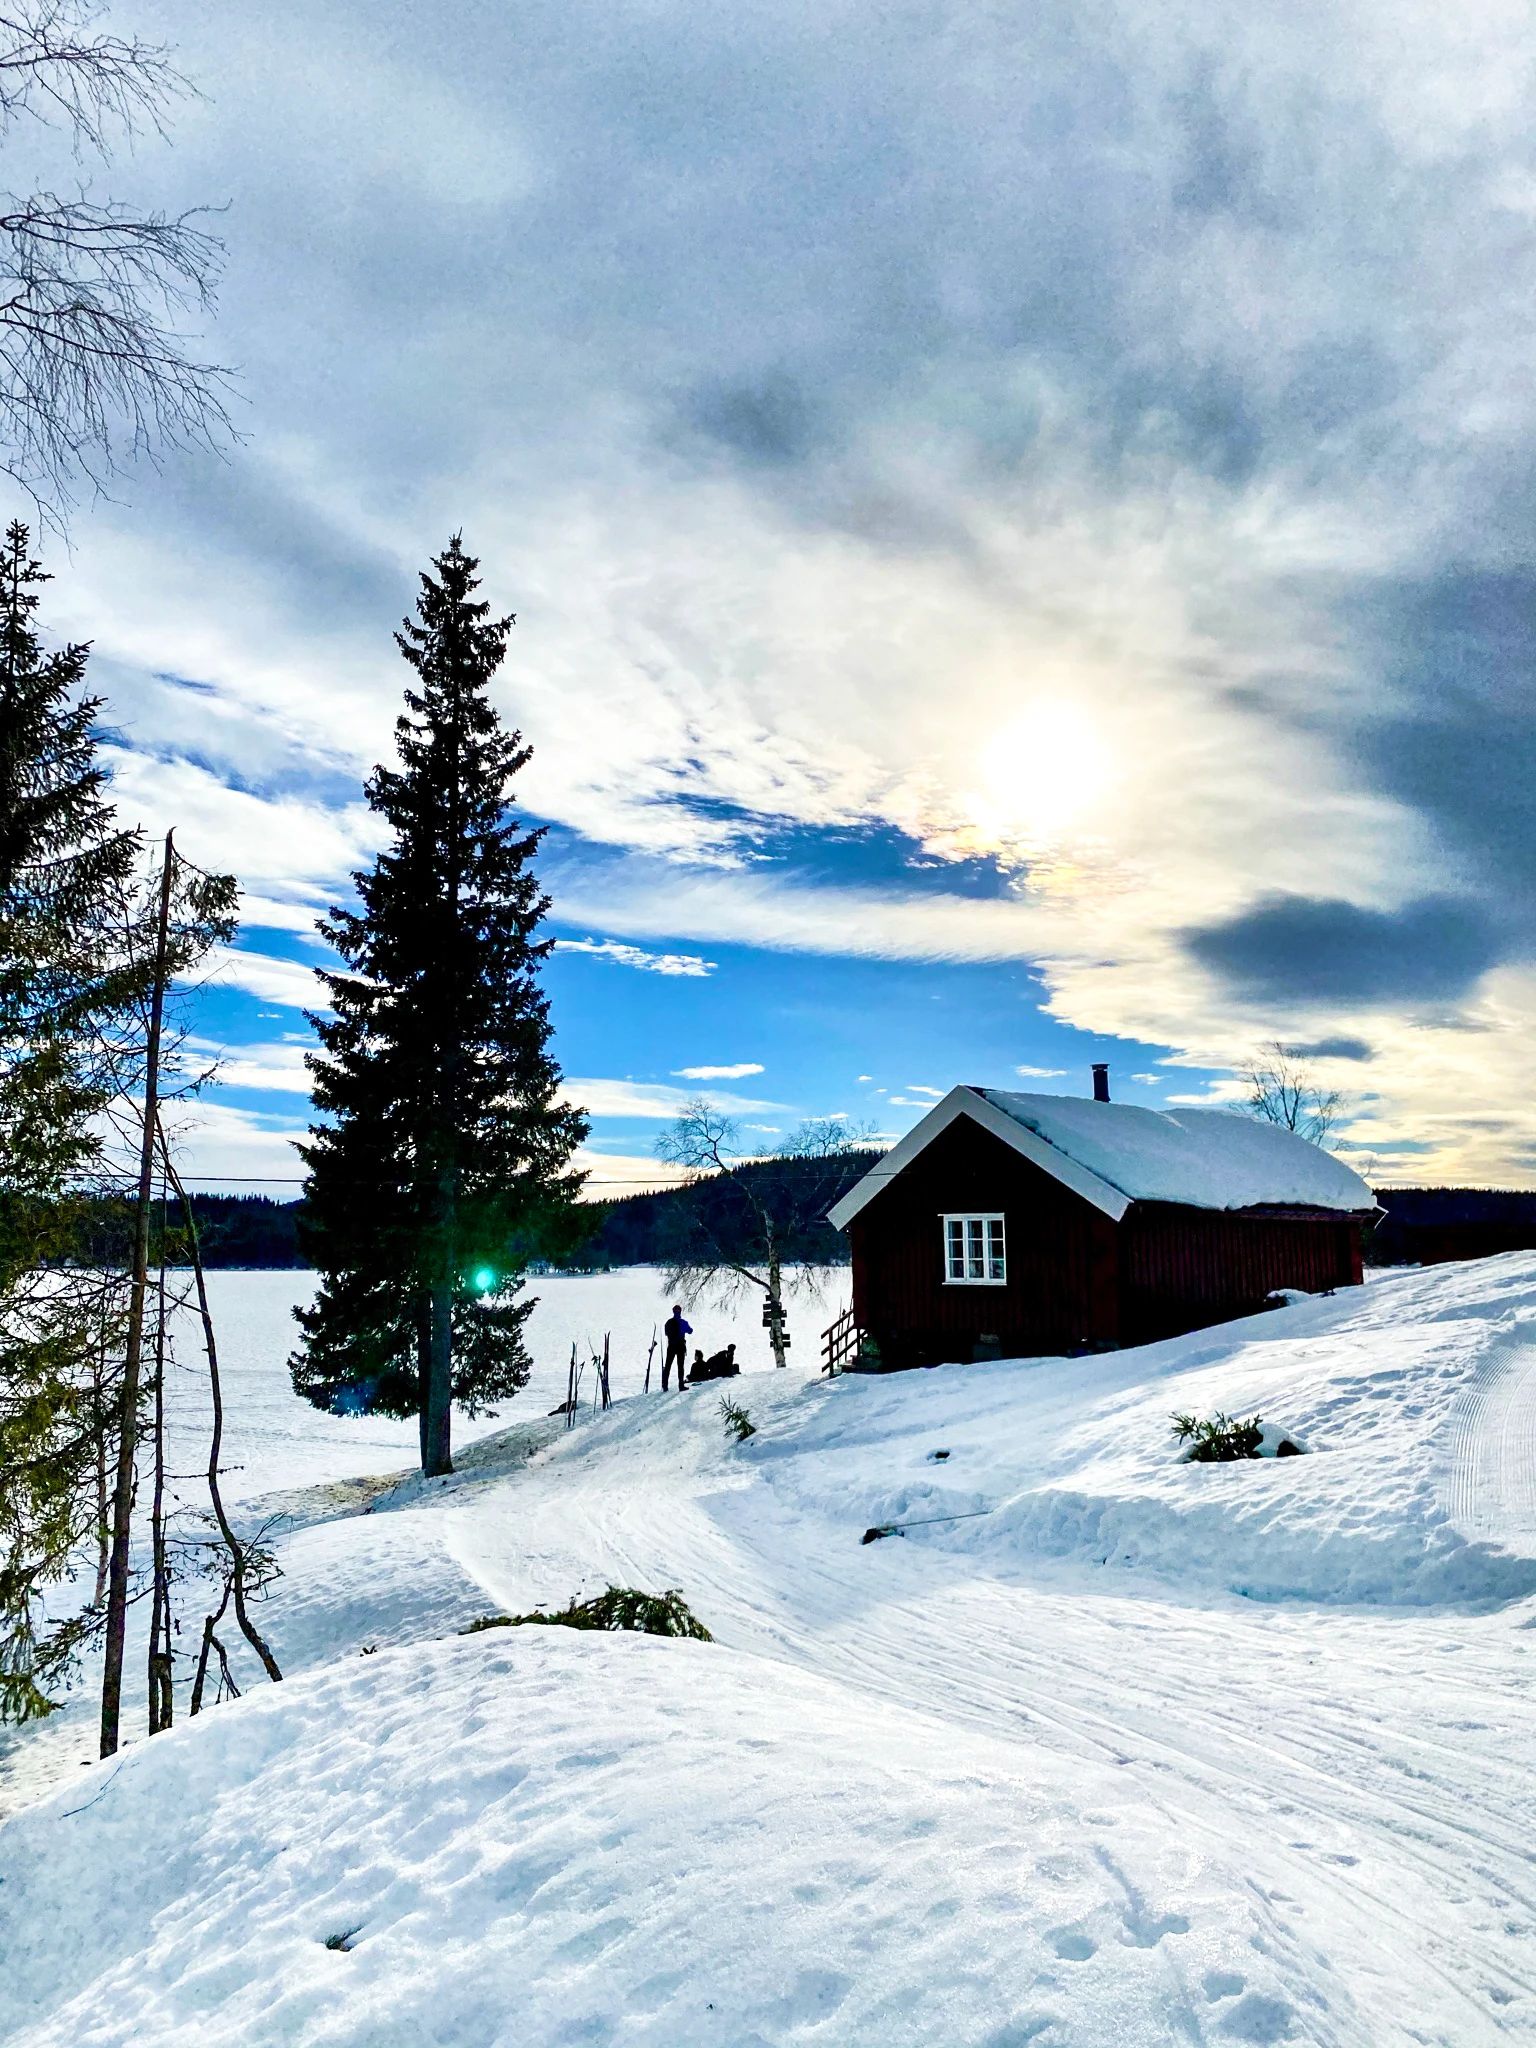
(1020, 522)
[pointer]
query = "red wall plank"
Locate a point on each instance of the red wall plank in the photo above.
(1182, 1268)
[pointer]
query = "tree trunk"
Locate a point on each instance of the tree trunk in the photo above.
(122, 1501)
(438, 1451)
(775, 1301)
(423, 1368)
(159, 1671)
(232, 1542)
(99, 1425)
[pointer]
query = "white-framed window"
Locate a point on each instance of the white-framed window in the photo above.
(974, 1252)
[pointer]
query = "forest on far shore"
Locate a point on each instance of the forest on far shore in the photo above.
(254, 1231)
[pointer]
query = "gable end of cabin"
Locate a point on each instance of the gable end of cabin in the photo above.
(1059, 1289)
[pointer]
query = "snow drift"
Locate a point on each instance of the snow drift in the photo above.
(535, 1836)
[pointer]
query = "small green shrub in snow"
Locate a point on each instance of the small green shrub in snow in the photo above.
(1219, 1441)
(621, 1607)
(737, 1421)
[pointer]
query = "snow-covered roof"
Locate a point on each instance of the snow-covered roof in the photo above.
(1116, 1153)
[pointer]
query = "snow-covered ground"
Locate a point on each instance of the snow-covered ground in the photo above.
(1140, 1752)
(273, 1441)
(286, 1462)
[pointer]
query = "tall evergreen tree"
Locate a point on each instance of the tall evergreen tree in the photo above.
(64, 868)
(77, 918)
(442, 1161)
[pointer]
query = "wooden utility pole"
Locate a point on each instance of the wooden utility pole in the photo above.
(128, 1421)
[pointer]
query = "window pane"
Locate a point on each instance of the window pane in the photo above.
(974, 1250)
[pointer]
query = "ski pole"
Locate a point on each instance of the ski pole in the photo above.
(919, 1522)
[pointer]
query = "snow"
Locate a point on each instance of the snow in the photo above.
(1147, 1752)
(537, 1837)
(272, 1441)
(1210, 1158)
(1115, 1153)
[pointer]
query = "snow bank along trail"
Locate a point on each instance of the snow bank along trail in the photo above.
(1147, 1752)
(534, 1836)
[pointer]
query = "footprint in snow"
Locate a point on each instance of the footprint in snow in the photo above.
(1223, 1984)
(1259, 2019)
(1071, 1944)
(1145, 1930)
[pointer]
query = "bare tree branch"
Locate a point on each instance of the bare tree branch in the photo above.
(95, 364)
(776, 1220)
(52, 67)
(1284, 1090)
(240, 1554)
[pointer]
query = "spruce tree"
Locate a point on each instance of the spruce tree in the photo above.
(64, 867)
(77, 918)
(442, 1159)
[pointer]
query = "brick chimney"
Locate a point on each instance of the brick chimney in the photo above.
(1101, 1083)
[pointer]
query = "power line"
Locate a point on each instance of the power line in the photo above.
(290, 1180)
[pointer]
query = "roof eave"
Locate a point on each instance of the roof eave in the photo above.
(1102, 1194)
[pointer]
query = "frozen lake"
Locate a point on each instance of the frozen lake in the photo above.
(273, 1440)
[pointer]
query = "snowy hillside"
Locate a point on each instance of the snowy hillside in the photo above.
(1140, 1752)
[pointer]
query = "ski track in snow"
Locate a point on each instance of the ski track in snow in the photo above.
(1323, 1752)
(1491, 1487)
(1348, 1758)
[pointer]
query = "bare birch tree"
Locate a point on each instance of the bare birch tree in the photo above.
(773, 1211)
(96, 365)
(1283, 1089)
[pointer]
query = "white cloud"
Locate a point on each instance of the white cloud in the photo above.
(214, 1142)
(652, 963)
(757, 909)
(263, 975)
(1041, 1073)
(279, 846)
(651, 1099)
(264, 913)
(919, 1088)
(279, 1067)
(1150, 1080)
(718, 1073)
(613, 1175)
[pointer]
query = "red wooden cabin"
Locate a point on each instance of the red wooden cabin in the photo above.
(1007, 1226)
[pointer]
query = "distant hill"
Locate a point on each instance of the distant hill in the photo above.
(253, 1231)
(658, 1229)
(234, 1230)
(1427, 1226)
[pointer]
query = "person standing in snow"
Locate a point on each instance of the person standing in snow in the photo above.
(677, 1334)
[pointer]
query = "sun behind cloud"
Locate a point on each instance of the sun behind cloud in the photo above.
(1043, 771)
